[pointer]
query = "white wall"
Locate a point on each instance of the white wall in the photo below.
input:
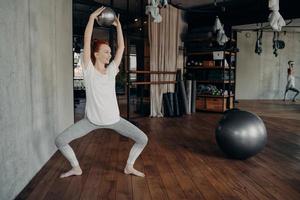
(264, 76)
(36, 89)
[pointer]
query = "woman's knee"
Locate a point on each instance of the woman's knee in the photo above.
(59, 142)
(143, 139)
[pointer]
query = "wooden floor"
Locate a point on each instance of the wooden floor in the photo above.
(181, 161)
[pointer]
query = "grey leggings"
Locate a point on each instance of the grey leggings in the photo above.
(292, 89)
(84, 126)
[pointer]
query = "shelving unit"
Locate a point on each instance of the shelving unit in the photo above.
(219, 72)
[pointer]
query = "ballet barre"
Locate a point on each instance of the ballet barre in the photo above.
(152, 82)
(131, 83)
(150, 72)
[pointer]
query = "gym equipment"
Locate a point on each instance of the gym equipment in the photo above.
(189, 95)
(168, 102)
(176, 105)
(194, 96)
(277, 44)
(170, 105)
(183, 97)
(130, 83)
(241, 134)
(258, 44)
(180, 103)
(107, 17)
(231, 110)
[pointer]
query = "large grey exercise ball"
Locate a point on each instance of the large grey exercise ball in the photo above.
(107, 17)
(241, 134)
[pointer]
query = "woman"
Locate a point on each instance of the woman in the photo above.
(102, 109)
(291, 81)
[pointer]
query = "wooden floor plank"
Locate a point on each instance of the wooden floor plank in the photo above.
(75, 187)
(90, 188)
(169, 180)
(59, 186)
(124, 182)
(107, 189)
(44, 188)
(181, 161)
(185, 181)
(154, 181)
(140, 189)
(33, 184)
(222, 189)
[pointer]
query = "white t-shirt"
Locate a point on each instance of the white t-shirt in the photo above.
(101, 101)
(291, 82)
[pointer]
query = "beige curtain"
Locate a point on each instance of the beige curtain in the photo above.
(165, 54)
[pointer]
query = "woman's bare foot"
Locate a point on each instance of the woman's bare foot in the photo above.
(130, 170)
(75, 171)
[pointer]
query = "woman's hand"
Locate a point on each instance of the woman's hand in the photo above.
(97, 12)
(117, 23)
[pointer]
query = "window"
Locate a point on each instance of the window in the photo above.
(132, 62)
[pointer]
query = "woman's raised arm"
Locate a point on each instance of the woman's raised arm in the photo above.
(88, 36)
(120, 42)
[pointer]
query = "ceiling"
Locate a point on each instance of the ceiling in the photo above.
(240, 12)
(194, 3)
(128, 9)
(198, 12)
